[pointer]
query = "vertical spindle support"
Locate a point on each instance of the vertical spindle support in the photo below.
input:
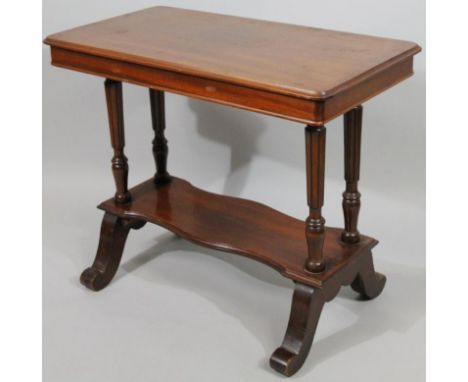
(116, 125)
(160, 147)
(315, 223)
(352, 158)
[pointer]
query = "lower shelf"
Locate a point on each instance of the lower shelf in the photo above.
(239, 226)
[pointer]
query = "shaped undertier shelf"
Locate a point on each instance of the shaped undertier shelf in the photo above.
(239, 226)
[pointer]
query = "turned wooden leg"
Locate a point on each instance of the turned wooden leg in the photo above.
(116, 125)
(160, 148)
(352, 157)
(114, 232)
(368, 283)
(315, 223)
(307, 304)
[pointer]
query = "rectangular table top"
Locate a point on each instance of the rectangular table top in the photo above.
(298, 64)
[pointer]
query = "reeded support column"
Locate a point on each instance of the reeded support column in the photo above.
(315, 223)
(352, 158)
(160, 148)
(116, 125)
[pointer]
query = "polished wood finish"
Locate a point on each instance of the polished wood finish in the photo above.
(160, 148)
(352, 161)
(368, 283)
(226, 48)
(315, 223)
(114, 231)
(298, 73)
(306, 307)
(239, 226)
(246, 63)
(116, 125)
(296, 109)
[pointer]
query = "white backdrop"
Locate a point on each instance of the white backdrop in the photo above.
(171, 305)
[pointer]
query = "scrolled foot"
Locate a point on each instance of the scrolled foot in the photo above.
(114, 232)
(368, 283)
(306, 307)
(285, 361)
(92, 279)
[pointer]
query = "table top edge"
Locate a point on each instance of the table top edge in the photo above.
(313, 95)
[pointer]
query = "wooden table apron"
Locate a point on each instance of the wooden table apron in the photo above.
(331, 74)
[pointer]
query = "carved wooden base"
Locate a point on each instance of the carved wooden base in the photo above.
(306, 307)
(114, 232)
(249, 229)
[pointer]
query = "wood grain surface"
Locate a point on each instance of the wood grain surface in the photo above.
(294, 72)
(237, 225)
(288, 59)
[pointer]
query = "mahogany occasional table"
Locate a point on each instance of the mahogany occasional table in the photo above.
(298, 73)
